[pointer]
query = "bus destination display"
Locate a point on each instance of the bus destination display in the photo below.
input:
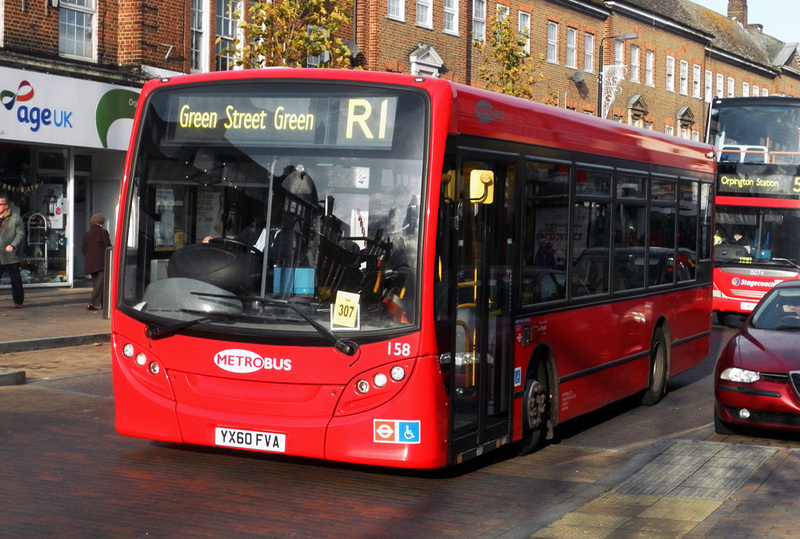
(362, 122)
(773, 183)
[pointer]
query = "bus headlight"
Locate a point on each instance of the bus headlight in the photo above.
(128, 350)
(380, 380)
(397, 373)
(141, 359)
(375, 387)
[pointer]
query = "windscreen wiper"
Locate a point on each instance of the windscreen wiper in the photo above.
(167, 330)
(346, 348)
(156, 332)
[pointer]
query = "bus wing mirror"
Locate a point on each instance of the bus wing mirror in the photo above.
(481, 186)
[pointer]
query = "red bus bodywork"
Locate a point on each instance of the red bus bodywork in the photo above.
(178, 389)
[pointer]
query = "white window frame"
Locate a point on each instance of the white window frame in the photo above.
(424, 13)
(69, 11)
(524, 30)
(670, 74)
(395, 10)
(198, 59)
(731, 87)
(619, 52)
(479, 20)
(745, 89)
(450, 17)
(756, 90)
(635, 64)
(226, 40)
(684, 75)
(697, 73)
(552, 42)
(709, 86)
(588, 53)
(764, 92)
(572, 48)
(720, 85)
(669, 130)
(649, 68)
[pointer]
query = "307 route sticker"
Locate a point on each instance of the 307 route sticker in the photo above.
(392, 431)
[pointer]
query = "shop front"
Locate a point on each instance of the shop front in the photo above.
(62, 153)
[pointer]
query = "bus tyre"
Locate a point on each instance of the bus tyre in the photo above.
(535, 410)
(658, 369)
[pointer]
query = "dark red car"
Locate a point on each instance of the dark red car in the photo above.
(757, 376)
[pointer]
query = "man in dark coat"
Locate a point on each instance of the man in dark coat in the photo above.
(11, 236)
(94, 247)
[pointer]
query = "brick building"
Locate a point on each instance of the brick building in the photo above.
(70, 72)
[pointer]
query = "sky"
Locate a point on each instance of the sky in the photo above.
(779, 17)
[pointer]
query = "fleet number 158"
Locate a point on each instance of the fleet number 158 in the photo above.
(402, 349)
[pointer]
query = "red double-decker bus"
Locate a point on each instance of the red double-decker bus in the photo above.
(758, 198)
(396, 270)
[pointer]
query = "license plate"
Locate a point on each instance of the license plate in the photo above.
(250, 439)
(747, 306)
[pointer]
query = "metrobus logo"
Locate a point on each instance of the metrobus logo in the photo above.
(393, 431)
(245, 361)
(34, 117)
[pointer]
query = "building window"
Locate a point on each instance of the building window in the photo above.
(684, 74)
(226, 31)
(696, 73)
(424, 15)
(745, 89)
(479, 20)
(524, 26)
(695, 135)
(397, 10)
(451, 17)
(588, 53)
(199, 43)
(731, 87)
(572, 48)
(552, 42)
(634, 63)
(764, 92)
(709, 83)
(619, 52)
(649, 66)
(756, 90)
(76, 28)
(670, 74)
(720, 84)
(669, 130)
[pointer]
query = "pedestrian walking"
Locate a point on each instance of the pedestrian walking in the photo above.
(94, 247)
(11, 236)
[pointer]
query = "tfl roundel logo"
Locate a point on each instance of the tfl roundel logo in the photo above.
(735, 281)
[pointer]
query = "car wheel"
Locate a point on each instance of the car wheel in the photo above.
(658, 369)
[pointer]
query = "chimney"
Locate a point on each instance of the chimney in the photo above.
(737, 10)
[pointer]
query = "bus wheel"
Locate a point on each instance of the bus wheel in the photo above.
(658, 370)
(535, 409)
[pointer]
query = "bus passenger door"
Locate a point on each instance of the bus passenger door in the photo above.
(481, 378)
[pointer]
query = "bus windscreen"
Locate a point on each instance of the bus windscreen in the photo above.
(283, 207)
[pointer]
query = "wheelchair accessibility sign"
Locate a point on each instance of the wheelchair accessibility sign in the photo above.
(392, 431)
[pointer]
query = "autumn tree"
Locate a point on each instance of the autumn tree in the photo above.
(507, 68)
(289, 33)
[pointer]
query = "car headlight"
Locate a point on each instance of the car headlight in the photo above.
(742, 376)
